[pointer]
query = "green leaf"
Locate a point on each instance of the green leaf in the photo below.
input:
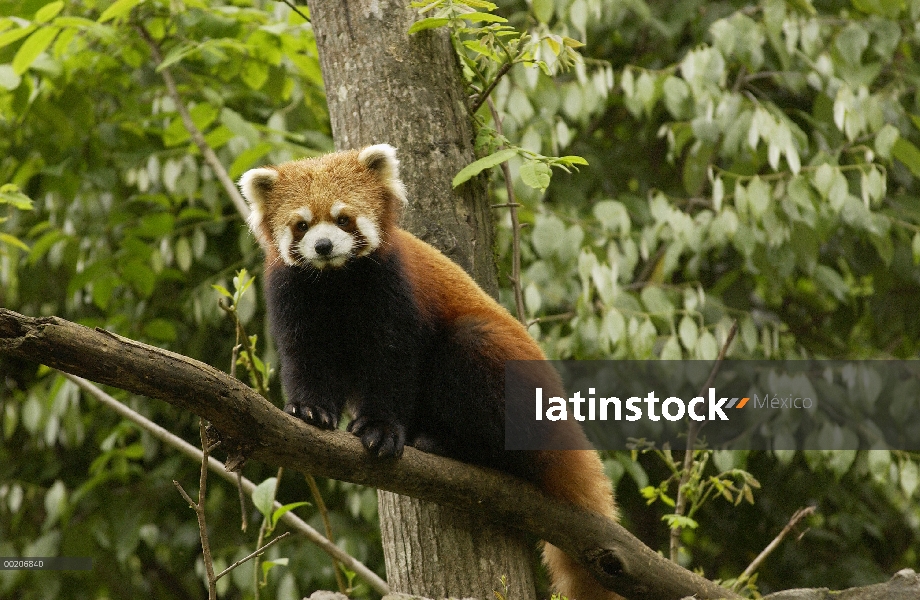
(268, 565)
(831, 281)
(103, 288)
(254, 74)
(10, 194)
(572, 160)
(37, 43)
(657, 301)
(48, 11)
(223, 291)
(536, 175)
(280, 512)
(15, 35)
(910, 477)
(155, 225)
(758, 196)
(481, 16)
(183, 252)
(613, 216)
(429, 23)
(247, 158)
(547, 234)
(707, 348)
(44, 244)
(852, 42)
(263, 497)
(671, 350)
(543, 9)
(907, 153)
(176, 54)
(13, 241)
(885, 139)
(160, 329)
(118, 10)
(675, 521)
(482, 164)
(688, 332)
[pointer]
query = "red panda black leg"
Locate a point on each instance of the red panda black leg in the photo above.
(385, 439)
(316, 416)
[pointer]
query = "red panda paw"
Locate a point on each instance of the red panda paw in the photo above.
(382, 438)
(313, 415)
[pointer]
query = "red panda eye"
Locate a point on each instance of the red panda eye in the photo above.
(343, 220)
(301, 226)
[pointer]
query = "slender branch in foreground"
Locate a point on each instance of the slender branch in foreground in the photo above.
(693, 430)
(262, 530)
(190, 451)
(198, 507)
(755, 564)
(324, 513)
(258, 552)
(616, 558)
(197, 137)
(515, 226)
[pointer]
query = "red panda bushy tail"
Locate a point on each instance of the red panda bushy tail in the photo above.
(576, 476)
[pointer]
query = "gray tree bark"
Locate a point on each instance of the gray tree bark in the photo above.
(383, 85)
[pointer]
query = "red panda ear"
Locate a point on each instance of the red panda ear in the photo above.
(255, 185)
(381, 159)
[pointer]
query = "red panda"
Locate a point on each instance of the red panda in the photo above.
(365, 314)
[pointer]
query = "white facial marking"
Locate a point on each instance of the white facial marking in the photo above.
(306, 213)
(285, 238)
(337, 209)
(255, 224)
(370, 232)
(342, 245)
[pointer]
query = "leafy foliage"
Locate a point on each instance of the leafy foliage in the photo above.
(755, 162)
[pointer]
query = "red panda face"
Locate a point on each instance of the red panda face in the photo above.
(323, 212)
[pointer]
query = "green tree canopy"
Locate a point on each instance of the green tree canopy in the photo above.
(749, 162)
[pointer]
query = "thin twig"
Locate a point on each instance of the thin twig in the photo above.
(198, 507)
(484, 95)
(199, 511)
(515, 227)
(243, 338)
(184, 494)
(547, 318)
(262, 530)
(190, 451)
(206, 151)
(244, 520)
(258, 552)
(693, 430)
(755, 564)
(324, 513)
(296, 10)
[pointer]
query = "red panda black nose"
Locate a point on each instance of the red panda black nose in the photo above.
(323, 246)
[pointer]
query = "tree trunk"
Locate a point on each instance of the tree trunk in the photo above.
(383, 85)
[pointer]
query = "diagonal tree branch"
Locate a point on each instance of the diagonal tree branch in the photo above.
(206, 151)
(247, 486)
(614, 556)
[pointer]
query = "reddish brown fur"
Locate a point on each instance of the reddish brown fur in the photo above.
(576, 476)
(320, 182)
(447, 294)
